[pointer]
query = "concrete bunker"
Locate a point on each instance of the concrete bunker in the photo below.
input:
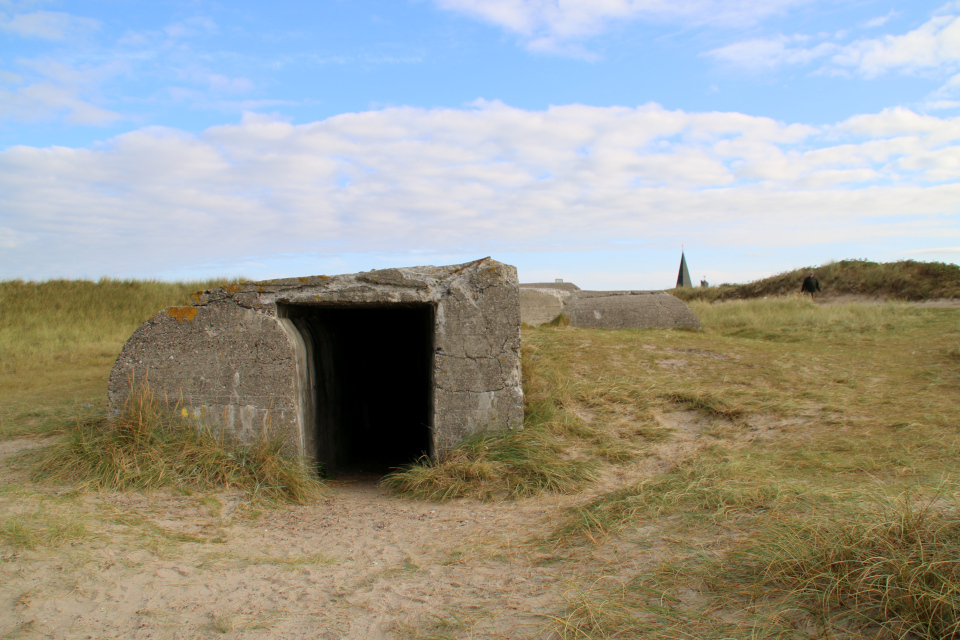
(369, 369)
(360, 371)
(543, 302)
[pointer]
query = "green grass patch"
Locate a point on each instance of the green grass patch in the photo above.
(37, 530)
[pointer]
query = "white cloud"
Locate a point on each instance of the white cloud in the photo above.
(475, 180)
(549, 25)
(767, 54)
(933, 251)
(10, 239)
(60, 90)
(48, 25)
(900, 121)
(79, 88)
(934, 46)
(941, 105)
(877, 22)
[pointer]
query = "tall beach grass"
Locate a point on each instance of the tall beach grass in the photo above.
(149, 446)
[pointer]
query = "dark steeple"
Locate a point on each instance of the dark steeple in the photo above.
(683, 278)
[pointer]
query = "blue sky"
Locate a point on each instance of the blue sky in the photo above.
(580, 139)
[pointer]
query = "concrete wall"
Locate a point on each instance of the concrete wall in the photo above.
(606, 309)
(232, 360)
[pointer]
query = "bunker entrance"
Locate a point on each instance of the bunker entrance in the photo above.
(369, 383)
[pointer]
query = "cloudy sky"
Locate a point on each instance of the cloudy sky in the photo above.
(587, 140)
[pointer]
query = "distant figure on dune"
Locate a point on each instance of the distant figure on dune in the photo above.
(810, 285)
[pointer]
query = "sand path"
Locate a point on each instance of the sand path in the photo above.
(360, 564)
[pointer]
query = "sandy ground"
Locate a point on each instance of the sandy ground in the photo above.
(360, 564)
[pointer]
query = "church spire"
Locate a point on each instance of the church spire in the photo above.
(683, 278)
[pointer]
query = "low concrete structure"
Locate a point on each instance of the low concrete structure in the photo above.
(368, 370)
(629, 310)
(605, 309)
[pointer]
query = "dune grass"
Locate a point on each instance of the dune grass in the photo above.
(903, 280)
(841, 525)
(890, 568)
(148, 447)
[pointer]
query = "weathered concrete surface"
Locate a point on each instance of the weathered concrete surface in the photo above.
(249, 357)
(538, 306)
(605, 309)
(629, 310)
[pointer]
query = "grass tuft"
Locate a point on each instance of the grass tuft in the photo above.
(514, 464)
(561, 320)
(148, 447)
(705, 402)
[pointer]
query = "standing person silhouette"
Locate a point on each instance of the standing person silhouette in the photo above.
(810, 285)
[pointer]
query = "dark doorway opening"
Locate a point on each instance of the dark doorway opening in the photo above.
(370, 380)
